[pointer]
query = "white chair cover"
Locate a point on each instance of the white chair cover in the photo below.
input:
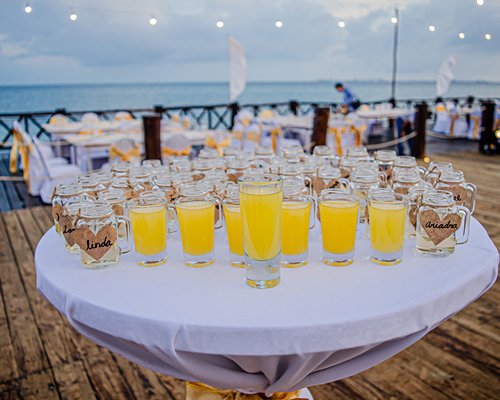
(90, 118)
(442, 122)
(123, 116)
(177, 142)
(45, 171)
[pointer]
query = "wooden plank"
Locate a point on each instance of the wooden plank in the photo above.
(10, 390)
(28, 348)
(8, 366)
(12, 196)
(64, 345)
(143, 382)
(39, 385)
(103, 373)
(458, 373)
(73, 382)
(52, 327)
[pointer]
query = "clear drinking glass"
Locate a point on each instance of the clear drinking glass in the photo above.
(234, 228)
(295, 225)
(261, 201)
(339, 220)
(388, 214)
(148, 217)
(438, 221)
(196, 223)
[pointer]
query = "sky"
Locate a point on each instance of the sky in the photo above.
(113, 42)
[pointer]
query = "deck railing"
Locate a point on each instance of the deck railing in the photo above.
(218, 116)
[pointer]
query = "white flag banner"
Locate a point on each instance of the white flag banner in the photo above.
(446, 75)
(237, 69)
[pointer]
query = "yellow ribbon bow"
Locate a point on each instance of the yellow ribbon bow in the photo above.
(219, 146)
(200, 391)
(115, 152)
(168, 151)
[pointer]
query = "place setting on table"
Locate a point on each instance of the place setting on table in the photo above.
(258, 274)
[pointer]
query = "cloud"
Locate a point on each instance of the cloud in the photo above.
(112, 40)
(11, 49)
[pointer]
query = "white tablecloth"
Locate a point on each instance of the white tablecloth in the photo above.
(319, 325)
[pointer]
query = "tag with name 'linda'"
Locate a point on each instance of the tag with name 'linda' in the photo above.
(95, 245)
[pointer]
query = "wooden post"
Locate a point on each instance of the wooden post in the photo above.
(293, 106)
(320, 126)
(488, 142)
(421, 115)
(152, 136)
(159, 109)
(235, 109)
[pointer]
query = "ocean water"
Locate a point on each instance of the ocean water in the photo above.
(115, 96)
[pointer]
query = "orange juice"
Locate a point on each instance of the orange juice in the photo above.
(234, 228)
(295, 227)
(149, 227)
(387, 226)
(261, 220)
(196, 223)
(338, 225)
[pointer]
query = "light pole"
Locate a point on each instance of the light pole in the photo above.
(395, 54)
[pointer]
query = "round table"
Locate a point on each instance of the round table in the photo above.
(319, 325)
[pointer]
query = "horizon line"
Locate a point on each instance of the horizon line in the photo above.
(6, 85)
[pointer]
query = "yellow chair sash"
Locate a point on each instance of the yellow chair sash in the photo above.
(253, 136)
(275, 135)
(200, 391)
(475, 130)
(23, 149)
(14, 150)
(167, 151)
(219, 146)
(115, 152)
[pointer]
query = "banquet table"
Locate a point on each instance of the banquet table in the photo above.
(82, 143)
(391, 113)
(319, 325)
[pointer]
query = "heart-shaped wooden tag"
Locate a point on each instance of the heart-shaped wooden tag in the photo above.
(67, 225)
(319, 184)
(117, 209)
(95, 245)
(198, 177)
(57, 211)
(438, 228)
(233, 177)
(459, 194)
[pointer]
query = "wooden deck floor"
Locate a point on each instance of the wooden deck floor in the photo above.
(44, 358)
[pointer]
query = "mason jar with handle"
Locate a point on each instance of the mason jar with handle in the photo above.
(464, 193)
(97, 236)
(441, 224)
